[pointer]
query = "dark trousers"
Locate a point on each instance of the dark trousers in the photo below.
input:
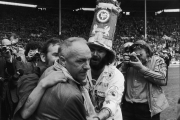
(137, 111)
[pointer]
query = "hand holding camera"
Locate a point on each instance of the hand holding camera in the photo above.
(7, 53)
(132, 59)
(33, 57)
(135, 62)
(127, 57)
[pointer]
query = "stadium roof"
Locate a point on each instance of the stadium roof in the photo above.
(126, 5)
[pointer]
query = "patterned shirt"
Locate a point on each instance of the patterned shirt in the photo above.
(107, 91)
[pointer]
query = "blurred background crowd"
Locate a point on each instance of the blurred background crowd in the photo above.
(163, 33)
(37, 25)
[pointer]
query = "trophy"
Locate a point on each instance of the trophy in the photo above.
(102, 34)
(104, 22)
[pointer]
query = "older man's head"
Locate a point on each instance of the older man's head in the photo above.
(75, 56)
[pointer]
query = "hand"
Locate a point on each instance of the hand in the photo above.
(136, 64)
(52, 79)
(14, 51)
(8, 56)
(126, 57)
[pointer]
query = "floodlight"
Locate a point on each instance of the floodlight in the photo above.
(171, 10)
(88, 9)
(127, 13)
(18, 4)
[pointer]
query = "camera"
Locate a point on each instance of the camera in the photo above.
(5, 49)
(128, 49)
(35, 57)
(131, 57)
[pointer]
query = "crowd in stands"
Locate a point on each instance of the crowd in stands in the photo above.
(34, 25)
(26, 28)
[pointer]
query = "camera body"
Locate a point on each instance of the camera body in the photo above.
(5, 49)
(34, 58)
(131, 57)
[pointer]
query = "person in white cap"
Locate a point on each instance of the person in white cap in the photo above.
(8, 97)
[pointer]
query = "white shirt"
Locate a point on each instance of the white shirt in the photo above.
(107, 92)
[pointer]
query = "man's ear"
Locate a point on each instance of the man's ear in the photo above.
(62, 61)
(43, 57)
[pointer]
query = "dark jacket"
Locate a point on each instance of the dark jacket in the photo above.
(62, 102)
(26, 84)
(8, 96)
(155, 75)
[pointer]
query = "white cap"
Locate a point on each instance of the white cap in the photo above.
(6, 42)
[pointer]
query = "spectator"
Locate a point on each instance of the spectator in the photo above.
(144, 74)
(74, 63)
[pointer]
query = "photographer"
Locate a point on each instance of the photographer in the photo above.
(8, 80)
(32, 56)
(144, 74)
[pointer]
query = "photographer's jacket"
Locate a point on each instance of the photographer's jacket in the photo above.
(107, 91)
(143, 86)
(8, 94)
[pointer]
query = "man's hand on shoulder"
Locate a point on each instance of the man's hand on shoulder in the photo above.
(52, 79)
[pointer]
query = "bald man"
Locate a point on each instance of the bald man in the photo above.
(64, 101)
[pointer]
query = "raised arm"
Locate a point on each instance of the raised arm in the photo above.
(158, 74)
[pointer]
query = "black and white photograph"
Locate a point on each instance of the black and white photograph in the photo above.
(90, 60)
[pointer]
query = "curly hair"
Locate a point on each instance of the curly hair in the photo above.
(32, 46)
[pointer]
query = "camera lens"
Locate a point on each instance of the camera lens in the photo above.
(4, 49)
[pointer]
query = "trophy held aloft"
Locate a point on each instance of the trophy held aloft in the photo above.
(104, 23)
(102, 35)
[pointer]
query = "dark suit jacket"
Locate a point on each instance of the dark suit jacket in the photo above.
(8, 96)
(61, 102)
(25, 86)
